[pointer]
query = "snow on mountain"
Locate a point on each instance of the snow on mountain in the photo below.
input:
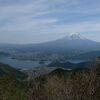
(74, 36)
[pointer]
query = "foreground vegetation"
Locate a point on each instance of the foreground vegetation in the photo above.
(78, 84)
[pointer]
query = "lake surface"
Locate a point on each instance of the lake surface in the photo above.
(28, 64)
(20, 63)
(77, 61)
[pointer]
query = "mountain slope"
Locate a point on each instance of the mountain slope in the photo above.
(72, 43)
(2, 54)
(6, 70)
(92, 54)
(69, 65)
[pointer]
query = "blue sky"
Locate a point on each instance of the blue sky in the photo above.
(32, 21)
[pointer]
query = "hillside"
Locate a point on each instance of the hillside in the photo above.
(60, 84)
(3, 54)
(92, 54)
(6, 70)
(69, 65)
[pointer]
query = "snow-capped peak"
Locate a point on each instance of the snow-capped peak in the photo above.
(75, 36)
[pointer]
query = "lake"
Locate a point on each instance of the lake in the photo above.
(77, 60)
(28, 64)
(20, 63)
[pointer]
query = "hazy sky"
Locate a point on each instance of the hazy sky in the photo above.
(31, 21)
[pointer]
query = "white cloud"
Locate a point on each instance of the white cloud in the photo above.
(27, 24)
(47, 17)
(77, 27)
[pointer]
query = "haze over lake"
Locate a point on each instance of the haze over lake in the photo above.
(20, 63)
(27, 63)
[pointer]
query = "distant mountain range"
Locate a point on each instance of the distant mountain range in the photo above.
(71, 45)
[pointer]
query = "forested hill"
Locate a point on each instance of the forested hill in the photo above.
(6, 70)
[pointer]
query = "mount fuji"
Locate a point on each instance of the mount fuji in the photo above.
(74, 36)
(70, 44)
